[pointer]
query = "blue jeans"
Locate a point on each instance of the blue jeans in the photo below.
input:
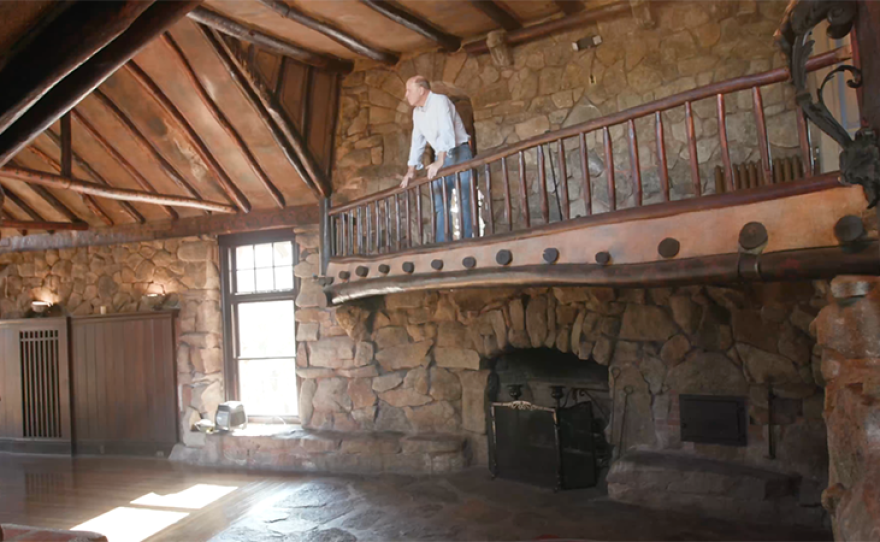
(457, 155)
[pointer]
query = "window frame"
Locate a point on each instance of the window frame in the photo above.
(229, 301)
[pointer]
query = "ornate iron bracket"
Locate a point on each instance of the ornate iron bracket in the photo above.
(860, 158)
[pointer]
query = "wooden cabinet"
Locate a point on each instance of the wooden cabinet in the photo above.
(124, 385)
(35, 386)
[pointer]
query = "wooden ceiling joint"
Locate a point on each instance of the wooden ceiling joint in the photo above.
(117, 157)
(232, 191)
(270, 112)
(184, 64)
(343, 38)
(77, 85)
(45, 194)
(231, 27)
(51, 227)
(394, 11)
(498, 14)
(569, 7)
(31, 176)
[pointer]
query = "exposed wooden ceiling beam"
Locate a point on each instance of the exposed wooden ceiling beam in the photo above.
(346, 40)
(271, 219)
(13, 198)
(45, 194)
(404, 18)
(31, 176)
(285, 134)
(497, 13)
(68, 41)
(42, 225)
(123, 162)
(549, 28)
(220, 117)
(146, 145)
(235, 195)
(233, 28)
(77, 85)
(90, 201)
(569, 7)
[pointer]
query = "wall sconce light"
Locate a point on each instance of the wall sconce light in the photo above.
(154, 301)
(40, 309)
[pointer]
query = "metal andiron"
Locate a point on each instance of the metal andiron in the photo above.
(860, 157)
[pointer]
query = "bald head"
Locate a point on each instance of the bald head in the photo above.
(417, 89)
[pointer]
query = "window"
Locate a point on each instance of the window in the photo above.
(259, 290)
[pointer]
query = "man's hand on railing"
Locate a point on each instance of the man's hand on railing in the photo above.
(410, 173)
(435, 167)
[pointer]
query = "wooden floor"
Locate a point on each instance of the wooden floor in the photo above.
(61, 493)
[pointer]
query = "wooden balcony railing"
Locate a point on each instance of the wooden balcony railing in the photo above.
(395, 220)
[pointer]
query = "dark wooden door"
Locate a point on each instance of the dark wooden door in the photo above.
(124, 384)
(34, 386)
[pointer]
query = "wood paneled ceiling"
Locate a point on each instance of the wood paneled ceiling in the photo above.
(176, 120)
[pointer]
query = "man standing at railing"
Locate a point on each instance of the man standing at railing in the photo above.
(436, 122)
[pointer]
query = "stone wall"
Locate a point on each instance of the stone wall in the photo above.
(417, 362)
(550, 86)
(185, 274)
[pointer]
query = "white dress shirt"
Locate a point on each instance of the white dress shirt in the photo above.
(437, 123)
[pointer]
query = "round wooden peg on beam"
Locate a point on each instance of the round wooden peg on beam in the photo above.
(469, 262)
(669, 247)
(504, 257)
(344, 275)
(849, 229)
(551, 255)
(436, 265)
(384, 268)
(408, 267)
(362, 271)
(603, 258)
(752, 236)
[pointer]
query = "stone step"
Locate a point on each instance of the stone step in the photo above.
(686, 483)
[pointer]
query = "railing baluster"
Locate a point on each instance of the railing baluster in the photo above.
(475, 205)
(378, 229)
(388, 224)
(433, 214)
(692, 148)
(585, 167)
(408, 236)
(351, 233)
(662, 165)
(725, 147)
(460, 205)
(397, 219)
(368, 222)
(634, 163)
(419, 213)
(563, 176)
(609, 169)
(337, 242)
(761, 124)
(447, 229)
(524, 189)
(490, 224)
(806, 150)
(508, 215)
(360, 231)
(344, 233)
(542, 185)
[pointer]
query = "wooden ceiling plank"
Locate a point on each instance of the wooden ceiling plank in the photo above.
(44, 193)
(117, 157)
(146, 145)
(497, 13)
(78, 84)
(270, 112)
(231, 27)
(343, 38)
(5, 216)
(51, 227)
(399, 15)
(65, 44)
(21, 204)
(184, 64)
(259, 220)
(235, 195)
(84, 187)
(569, 7)
(98, 178)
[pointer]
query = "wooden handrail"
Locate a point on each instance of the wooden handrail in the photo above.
(709, 91)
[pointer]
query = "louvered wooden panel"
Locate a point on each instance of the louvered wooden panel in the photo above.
(41, 397)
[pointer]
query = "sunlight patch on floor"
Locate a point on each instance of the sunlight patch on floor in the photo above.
(125, 524)
(193, 498)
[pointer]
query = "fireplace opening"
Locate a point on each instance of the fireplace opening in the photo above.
(713, 419)
(548, 412)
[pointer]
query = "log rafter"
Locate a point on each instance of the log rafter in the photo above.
(343, 38)
(146, 145)
(270, 112)
(222, 119)
(404, 18)
(232, 191)
(45, 194)
(236, 29)
(497, 13)
(117, 157)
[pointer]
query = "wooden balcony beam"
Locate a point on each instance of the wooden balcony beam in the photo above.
(404, 18)
(497, 13)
